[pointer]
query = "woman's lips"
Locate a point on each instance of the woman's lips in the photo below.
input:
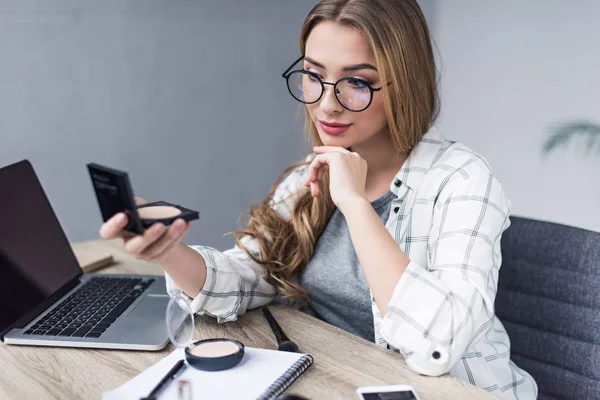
(333, 128)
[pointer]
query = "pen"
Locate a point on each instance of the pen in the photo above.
(170, 375)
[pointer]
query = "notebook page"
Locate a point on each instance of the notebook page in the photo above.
(248, 380)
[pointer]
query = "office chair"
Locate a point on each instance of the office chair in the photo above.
(549, 301)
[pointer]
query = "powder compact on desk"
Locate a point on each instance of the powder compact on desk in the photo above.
(115, 194)
(208, 354)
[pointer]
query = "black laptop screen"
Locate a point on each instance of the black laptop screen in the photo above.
(35, 256)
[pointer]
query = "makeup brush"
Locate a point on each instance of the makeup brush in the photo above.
(283, 342)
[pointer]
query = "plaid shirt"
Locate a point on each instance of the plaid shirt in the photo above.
(448, 215)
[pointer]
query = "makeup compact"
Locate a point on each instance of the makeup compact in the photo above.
(214, 354)
(209, 354)
(115, 194)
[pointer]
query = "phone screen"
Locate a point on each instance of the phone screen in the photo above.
(399, 395)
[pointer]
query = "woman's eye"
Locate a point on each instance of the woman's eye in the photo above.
(357, 83)
(313, 77)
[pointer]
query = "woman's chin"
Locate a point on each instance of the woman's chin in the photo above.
(331, 140)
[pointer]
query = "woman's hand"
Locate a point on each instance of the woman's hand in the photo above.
(347, 174)
(154, 245)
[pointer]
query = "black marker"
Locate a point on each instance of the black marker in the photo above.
(170, 375)
(283, 342)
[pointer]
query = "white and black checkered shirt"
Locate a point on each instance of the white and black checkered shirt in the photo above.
(448, 215)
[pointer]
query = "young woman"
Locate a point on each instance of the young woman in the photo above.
(387, 230)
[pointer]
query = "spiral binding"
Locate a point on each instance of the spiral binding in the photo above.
(286, 380)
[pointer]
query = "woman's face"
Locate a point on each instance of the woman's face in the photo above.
(332, 52)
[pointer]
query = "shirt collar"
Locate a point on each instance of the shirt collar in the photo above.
(418, 163)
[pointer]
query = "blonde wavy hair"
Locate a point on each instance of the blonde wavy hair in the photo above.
(397, 33)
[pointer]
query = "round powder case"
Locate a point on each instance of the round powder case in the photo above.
(214, 354)
(208, 355)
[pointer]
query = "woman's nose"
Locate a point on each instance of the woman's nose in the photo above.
(329, 103)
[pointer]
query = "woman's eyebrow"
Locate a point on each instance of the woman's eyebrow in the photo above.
(348, 68)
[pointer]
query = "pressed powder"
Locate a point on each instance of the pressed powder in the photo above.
(215, 349)
(158, 212)
(115, 194)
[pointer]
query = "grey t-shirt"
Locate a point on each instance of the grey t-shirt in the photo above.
(335, 279)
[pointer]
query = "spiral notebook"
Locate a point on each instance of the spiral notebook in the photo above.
(262, 374)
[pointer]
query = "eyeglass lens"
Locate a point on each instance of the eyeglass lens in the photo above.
(350, 92)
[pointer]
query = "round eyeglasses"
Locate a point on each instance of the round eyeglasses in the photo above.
(353, 94)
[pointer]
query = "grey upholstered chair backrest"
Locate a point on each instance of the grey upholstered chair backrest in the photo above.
(549, 301)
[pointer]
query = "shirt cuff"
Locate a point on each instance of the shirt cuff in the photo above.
(202, 301)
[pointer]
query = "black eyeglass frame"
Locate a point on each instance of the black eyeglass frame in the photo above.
(288, 73)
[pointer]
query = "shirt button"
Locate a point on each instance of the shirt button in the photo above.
(397, 182)
(396, 209)
(436, 355)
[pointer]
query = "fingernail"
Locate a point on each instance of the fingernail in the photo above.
(156, 229)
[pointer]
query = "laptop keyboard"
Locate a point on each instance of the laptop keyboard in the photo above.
(90, 310)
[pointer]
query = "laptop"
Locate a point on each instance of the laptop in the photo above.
(46, 300)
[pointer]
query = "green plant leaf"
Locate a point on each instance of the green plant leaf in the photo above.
(579, 131)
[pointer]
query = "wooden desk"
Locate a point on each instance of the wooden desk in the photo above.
(343, 361)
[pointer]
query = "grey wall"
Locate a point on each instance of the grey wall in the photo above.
(186, 96)
(510, 71)
(430, 9)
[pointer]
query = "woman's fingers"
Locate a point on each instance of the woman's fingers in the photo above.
(315, 188)
(317, 183)
(316, 164)
(139, 243)
(316, 170)
(320, 163)
(328, 149)
(112, 228)
(165, 244)
(154, 243)
(321, 172)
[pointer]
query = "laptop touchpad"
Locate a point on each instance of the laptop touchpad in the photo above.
(150, 307)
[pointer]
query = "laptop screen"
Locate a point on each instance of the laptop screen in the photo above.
(36, 258)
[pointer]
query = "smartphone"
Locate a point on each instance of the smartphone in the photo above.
(396, 392)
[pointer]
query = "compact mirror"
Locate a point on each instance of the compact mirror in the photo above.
(180, 320)
(209, 354)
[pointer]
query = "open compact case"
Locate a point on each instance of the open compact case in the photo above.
(208, 354)
(115, 194)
